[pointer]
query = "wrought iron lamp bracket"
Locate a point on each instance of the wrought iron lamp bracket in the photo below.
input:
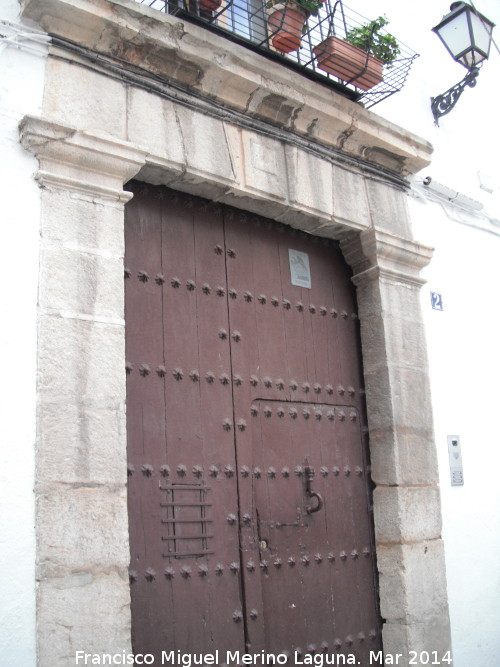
(444, 103)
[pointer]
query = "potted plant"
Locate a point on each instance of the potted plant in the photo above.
(361, 56)
(287, 22)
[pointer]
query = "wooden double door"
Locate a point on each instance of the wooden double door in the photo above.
(249, 498)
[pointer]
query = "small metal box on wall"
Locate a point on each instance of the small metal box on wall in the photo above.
(455, 457)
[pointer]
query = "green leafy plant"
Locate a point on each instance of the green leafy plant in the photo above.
(369, 38)
(311, 7)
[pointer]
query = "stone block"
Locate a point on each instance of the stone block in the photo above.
(206, 147)
(388, 208)
(81, 282)
(403, 456)
(80, 360)
(82, 612)
(393, 340)
(310, 183)
(81, 527)
(81, 443)
(406, 514)
(79, 221)
(350, 202)
(102, 107)
(412, 581)
(152, 124)
(432, 634)
(263, 165)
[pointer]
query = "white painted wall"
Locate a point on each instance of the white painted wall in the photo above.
(22, 63)
(463, 340)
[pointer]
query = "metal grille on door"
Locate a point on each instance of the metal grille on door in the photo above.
(250, 525)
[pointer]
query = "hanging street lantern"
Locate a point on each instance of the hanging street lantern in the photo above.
(467, 36)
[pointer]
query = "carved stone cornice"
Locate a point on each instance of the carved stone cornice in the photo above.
(375, 254)
(79, 161)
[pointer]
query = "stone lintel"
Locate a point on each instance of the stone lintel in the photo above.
(160, 45)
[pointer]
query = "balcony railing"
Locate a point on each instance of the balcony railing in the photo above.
(248, 22)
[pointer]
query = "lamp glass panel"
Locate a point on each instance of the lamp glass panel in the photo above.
(482, 34)
(455, 35)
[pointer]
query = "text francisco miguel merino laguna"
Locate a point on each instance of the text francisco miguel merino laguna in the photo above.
(219, 657)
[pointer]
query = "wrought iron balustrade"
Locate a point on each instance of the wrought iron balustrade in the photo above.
(247, 22)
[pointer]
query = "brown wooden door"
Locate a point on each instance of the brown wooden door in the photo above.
(248, 487)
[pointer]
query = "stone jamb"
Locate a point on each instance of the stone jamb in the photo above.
(94, 168)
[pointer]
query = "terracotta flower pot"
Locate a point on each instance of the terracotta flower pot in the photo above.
(209, 5)
(348, 63)
(286, 24)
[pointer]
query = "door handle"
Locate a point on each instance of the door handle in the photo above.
(310, 509)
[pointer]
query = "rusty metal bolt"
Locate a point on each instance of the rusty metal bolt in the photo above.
(248, 296)
(127, 273)
(324, 471)
(318, 558)
(253, 614)
(330, 415)
(246, 519)
(159, 279)
(197, 470)
(318, 414)
(361, 637)
(366, 552)
(285, 472)
(337, 644)
(278, 563)
(347, 471)
(271, 472)
(311, 648)
(250, 566)
(175, 282)
(336, 471)
(161, 371)
(341, 416)
(237, 616)
(293, 385)
(343, 555)
(210, 377)
(351, 391)
(128, 367)
(164, 470)
(194, 375)
(344, 315)
(306, 387)
(280, 384)
(186, 571)
(254, 380)
(222, 334)
(340, 390)
(143, 276)
(202, 570)
(245, 471)
(232, 293)
(264, 565)
(241, 424)
(317, 388)
(205, 288)
(312, 308)
(280, 411)
(231, 253)
(267, 411)
(224, 379)
(178, 373)
(306, 413)
(132, 576)
(353, 416)
(354, 554)
(275, 301)
(329, 389)
(291, 561)
(229, 470)
(286, 304)
(220, 291)
(349, 640)
(257, 473)
(236, 336)
(169, 573)
(144, 370)
(147, 470)
(293, 412)
(331, 557)
(231, 519)
(238, 380)
(227, 424)
(219, 569)
(234, 567)
(130, 469)
(262, 299)
(372, 634)
(334, 313)
(323, 310)
(300, 306)
(267, 382)
(181, 470)
(218, 250)
(299, 471)
(150, 574)
(305, 560)
(213, 471)
(358, 470)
